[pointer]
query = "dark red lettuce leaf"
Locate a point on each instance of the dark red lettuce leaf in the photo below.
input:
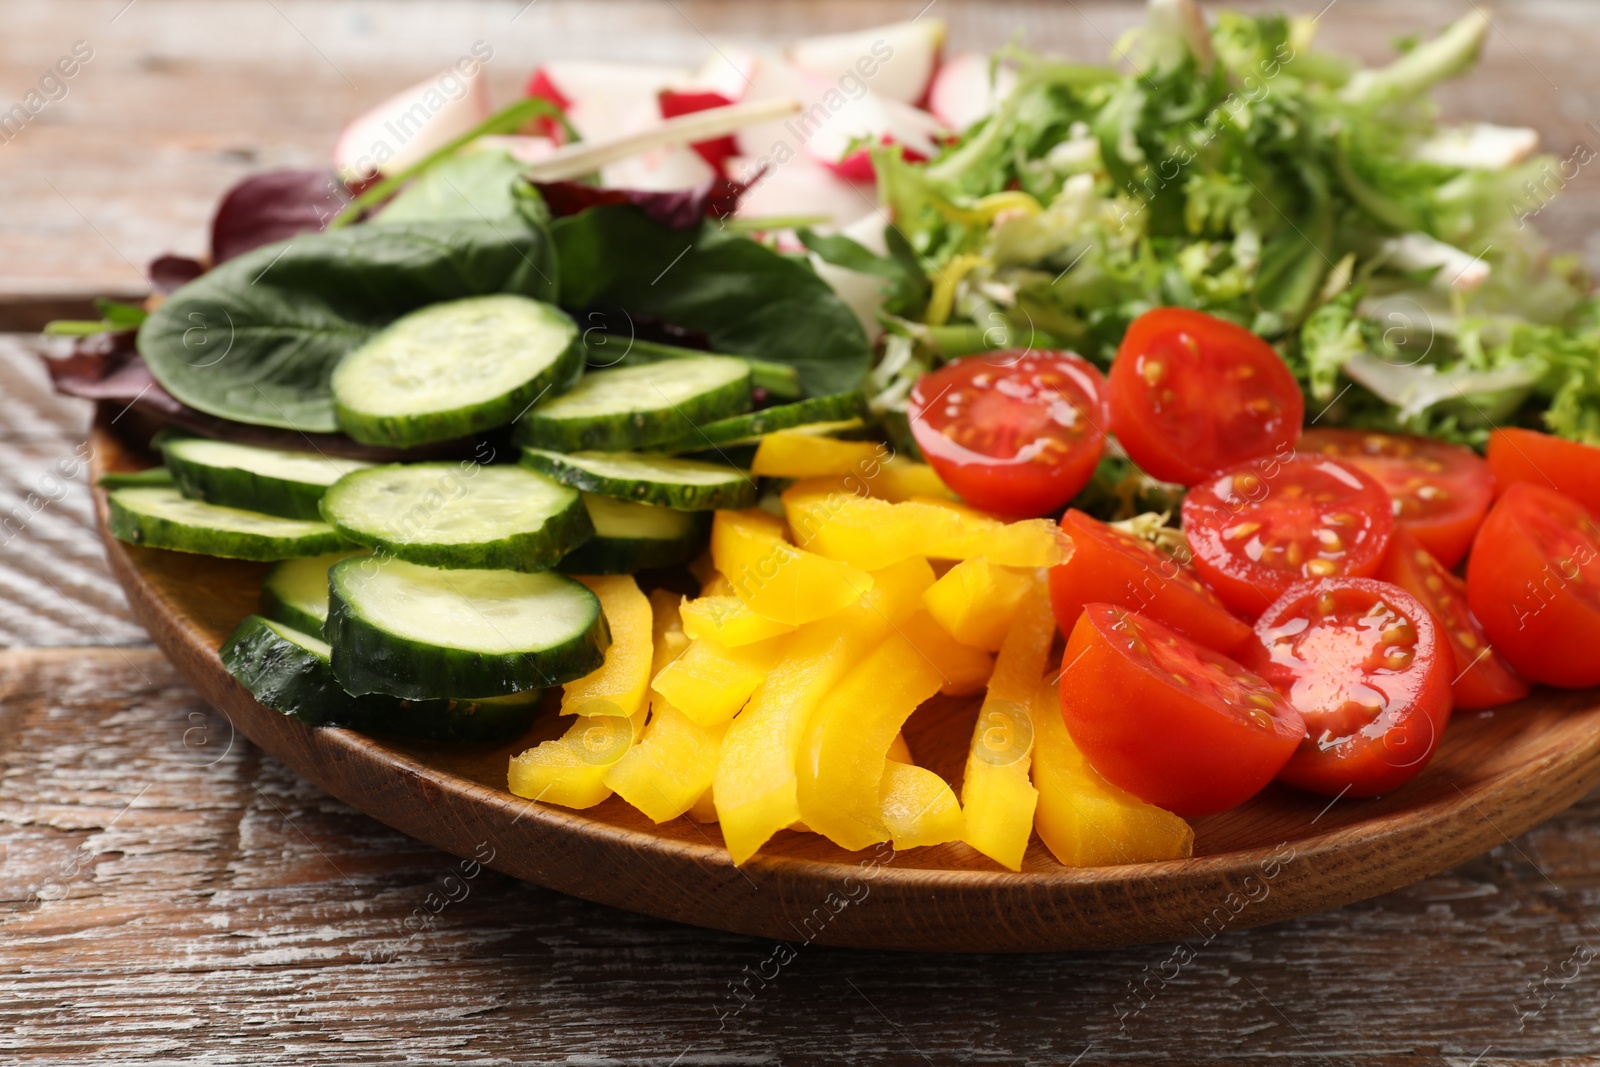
(168, 272)
(681, 209)
(273, 206)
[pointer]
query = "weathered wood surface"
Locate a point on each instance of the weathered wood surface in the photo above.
(228, 912)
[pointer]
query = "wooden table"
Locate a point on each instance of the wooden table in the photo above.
(172, 893)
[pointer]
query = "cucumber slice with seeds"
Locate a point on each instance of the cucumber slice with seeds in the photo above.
(155, 476)
(268, 480)
(295, 592)
(647, 478)
(637, 407)
(165, 518)
(455, 515)
(629, 538)
(292, 672)
(416, 632)
(453, 369)
(823, 415)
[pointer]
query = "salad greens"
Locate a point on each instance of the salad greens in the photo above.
(1240, 171)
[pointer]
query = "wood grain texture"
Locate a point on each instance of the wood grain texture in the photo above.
(1281, 854)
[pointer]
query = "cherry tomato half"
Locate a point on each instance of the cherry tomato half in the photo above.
(1192, 394)
(1259, 528)
(1440, 491)
(1169, 720)
(1015, 433)
(1480, 676)
(1359, 659)
(1533, 580)
(1565, 466)
(1113, 567)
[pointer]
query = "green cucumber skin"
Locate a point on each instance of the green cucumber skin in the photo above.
(731, 496)
(745, 429)
(153, 477)
(368, 659)
(152, 532)
(636, 430)
(405, 431)
(278, 610)
(630, 555)
(296, 682)
(234, 488)
(534, 550)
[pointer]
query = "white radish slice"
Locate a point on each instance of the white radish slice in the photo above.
(604, 99)
(833, 139)
(409, 125)
(901, 57)
(962, 92)
(660, 170)
(801, 188)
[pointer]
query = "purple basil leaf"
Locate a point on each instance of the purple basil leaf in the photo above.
(680, 209)
(168, 272)
(270, 207)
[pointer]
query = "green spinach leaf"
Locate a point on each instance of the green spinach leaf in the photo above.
(256, 339)
(747, 299)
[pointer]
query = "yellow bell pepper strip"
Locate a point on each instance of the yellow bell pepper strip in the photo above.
(919, 807)
(996, 795)
(775, 579)
(670, 768)
(716, 585)
(710, 682)
(704, 810)
(1084, 820)
(618, 686)
(966, 669)
(755, 783)
(842, 755)
(571, 770)
(873, 534)
(862, 468)
(941, 301)
(976, 599)
(899, 751)
(727, 621)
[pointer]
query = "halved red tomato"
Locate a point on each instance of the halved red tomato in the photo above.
(1480, 676)
(1016, 433)
(1192, 394)
(1440, 491)
(1529, 456)
(1169, 720)
(1533, 580)
(1263, 526)
(1113, 567)
(1360, 661)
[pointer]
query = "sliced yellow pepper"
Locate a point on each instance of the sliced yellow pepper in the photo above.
(571, 769)
(728, 621)
(976, 599)
(670, 768)
(966, 670)
(996, 795)
(704, 810)
(618, 686)
(919, 807)
(873, 534)
(863, 468)
(842, 755)
(755, 785)
(1084, 820)
(775, 579)
(710, 682)
(899, 751)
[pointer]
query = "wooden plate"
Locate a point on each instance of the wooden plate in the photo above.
(1283, 854)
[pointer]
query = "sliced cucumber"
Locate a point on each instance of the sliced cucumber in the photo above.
(155, 476)
(636, 407)
(268, 480)
(459, 515)
(417, 632)
(453, 369)
(164, 518)
(823, 415)
(778, 379)
(647, 478)
(295, 592)
(629, 538)
(292, 672)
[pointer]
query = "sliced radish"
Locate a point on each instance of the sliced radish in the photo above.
(862, 293)
(800, 188)
(729, 72)
(410, 124)
(660, 170)
(604, 99)
(897, 61)
(963, 92)
(836, 139)
(675, 102)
